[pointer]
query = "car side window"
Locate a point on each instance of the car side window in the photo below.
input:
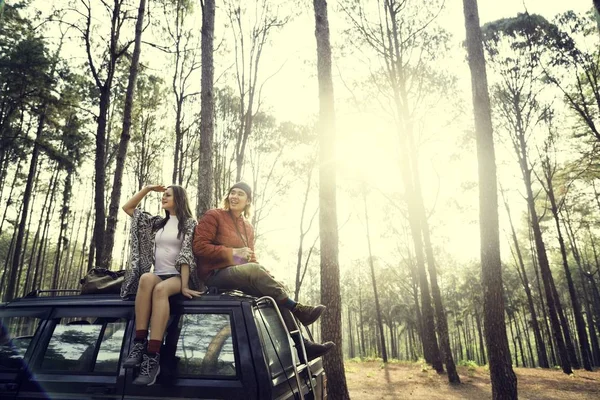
(16, 334)
(85, 345)
(205, 346)
(275, 341)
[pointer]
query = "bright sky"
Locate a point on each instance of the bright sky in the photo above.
(361, 154)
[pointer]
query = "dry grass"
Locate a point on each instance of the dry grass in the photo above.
(372, 380)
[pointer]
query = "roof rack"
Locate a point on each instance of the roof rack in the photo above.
(38, 292)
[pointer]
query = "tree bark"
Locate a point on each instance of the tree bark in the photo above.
(579, 322)
(115, 196)
(331, 324)
(504, 380)
(62, 239)
(440, 312)
(540, 345)
(9, 294)
(207, 126)
(375, 293)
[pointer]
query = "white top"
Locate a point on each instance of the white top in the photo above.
(167, 248)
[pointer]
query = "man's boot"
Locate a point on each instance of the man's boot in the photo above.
(308, 314)
(315, 350)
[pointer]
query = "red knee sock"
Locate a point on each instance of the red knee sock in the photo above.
(154, 346)
(141, 335)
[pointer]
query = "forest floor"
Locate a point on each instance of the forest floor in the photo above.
(370, 380)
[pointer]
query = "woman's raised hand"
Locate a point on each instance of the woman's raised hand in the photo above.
(156, 188)
(132, 203)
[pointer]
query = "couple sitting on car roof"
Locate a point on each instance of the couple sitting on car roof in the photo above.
(219, 251)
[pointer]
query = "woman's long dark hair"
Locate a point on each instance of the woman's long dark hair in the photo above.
(182, 209)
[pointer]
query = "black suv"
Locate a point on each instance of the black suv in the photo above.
(218, 346)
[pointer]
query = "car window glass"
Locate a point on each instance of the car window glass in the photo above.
(110, 347)
(275, 341)
(74, 343)
(205, 345)
(16, 334)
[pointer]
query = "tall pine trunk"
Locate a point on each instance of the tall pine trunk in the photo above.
(375, 293)
(547, 279)
(9, 294)
(504, 380)
(62, 239)
(331, 324)
(584, 346)
(539, 342)
(115, 196)
(207, 104)
(440, 312)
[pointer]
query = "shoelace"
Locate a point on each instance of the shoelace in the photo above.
(137, 349)
(146, 364)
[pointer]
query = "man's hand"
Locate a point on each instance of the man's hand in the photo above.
(244, 253)
(189, 293)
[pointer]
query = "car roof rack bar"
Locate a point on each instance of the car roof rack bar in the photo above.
(38, 292)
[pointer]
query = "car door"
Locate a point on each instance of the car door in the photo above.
(280, 355)
(79, 355)
(205, 356)
(20, 330)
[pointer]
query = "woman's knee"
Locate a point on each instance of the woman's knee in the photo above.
(160, 290)
(167, 288)
(147, 281)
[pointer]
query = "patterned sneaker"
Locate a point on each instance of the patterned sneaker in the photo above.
(308, 314)
(134, 359)
(149, 371)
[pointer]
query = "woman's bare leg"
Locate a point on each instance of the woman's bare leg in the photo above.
(143, 300)
(160, 306)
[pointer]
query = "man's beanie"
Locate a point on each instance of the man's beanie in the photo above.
(245, 187)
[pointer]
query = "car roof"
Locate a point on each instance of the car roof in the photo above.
(40, 298)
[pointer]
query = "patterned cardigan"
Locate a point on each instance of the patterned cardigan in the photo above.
(141, 251)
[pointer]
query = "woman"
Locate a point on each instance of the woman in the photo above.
(164, 243)
(224, 248)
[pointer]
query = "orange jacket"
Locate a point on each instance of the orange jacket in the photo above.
(214, 240)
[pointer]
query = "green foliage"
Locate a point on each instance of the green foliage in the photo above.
(470, 364)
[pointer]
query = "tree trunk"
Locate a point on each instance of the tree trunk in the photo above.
(100, 177)
(9, 201)
(539, 342)
(504, 380)
(330, 270)
(579, 323)
(514, 340)
(28, 230)
(527, 336)
(40, 262)
(207, 126)
(375, 293)
(442, 321)
(37, 241)
(62, 240)
(115, 196)
(548, 282)
(590, 321)
(546, 326)
(405, 130)
(9, 294)
(480, 334)
(594, 328)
